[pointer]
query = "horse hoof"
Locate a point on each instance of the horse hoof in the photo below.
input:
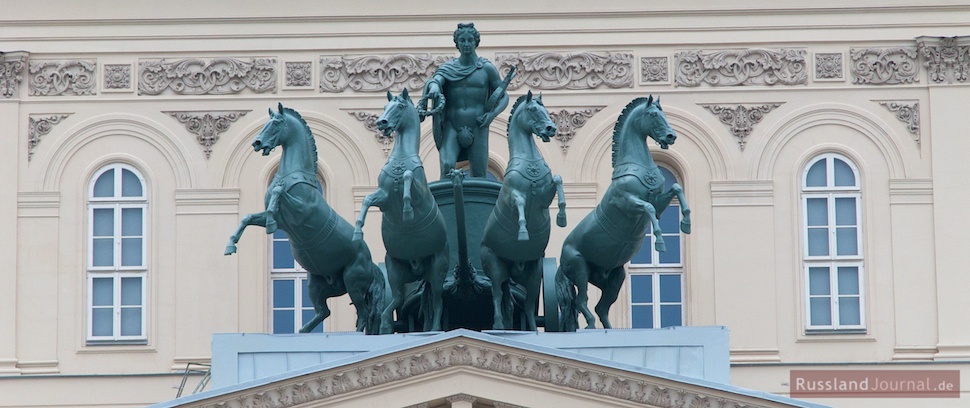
(408, 214)
(561, 220)
(685, 227)
(661, 247)
(590, 327)
(358, 235)
(270, 228)
(230, 249)
(523, 235)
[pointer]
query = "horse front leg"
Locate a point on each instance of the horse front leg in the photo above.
(519, 201)
(372, 199)
(396, 270)
(406, 196)
(497, 273)
(684, 208)
(251, 219)
(532, 276)
(561, 217)
(272, 207)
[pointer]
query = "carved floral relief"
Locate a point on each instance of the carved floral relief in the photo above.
(38, 126)
(884, 66)
(569, 121)
(207, 126)
(69, 77)
(117, 76)
(756, 66)
(370, 122)
(653, 69)
(828, 65)
(740, 119)
(906, 112)
(377, 73)
(946, 59)
(11, 69)
(215, 76)
(299, 74)
(577, 70)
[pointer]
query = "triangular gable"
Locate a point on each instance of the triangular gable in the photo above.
(472, 364)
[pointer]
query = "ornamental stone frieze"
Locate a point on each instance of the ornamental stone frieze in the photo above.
(884, 66)
(654, 69)
(377, 73)
(947, 59)
(207, 125)
(577, 70)
(755, 66)
(12, 65)
(906, 112)
(40, 125)
(214, 76)
(117, 77)
(552, 371)
(68, 77)
(370, 122)
(741, 119)
(569, 121)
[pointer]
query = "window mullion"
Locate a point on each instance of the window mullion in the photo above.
(655, 285)
(116, 307)
(117, 236)
(834, 291)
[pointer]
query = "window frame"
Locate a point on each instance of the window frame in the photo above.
(833, 260)
(117, 203)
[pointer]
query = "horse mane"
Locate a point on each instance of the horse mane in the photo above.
(309, 135)
(516, 105)
(619, 123)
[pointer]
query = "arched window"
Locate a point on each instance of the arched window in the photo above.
(291, 307)
(117, 267)
(832, 249)
(657, 278)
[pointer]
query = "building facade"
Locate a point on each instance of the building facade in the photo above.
(819, 145)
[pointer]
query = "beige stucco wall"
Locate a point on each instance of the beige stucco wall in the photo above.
(742, 261)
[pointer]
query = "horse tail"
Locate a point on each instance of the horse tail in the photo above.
(568, 315)
(376, 299)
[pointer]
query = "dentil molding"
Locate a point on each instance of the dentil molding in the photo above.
(215, 76)
(947, 59)
(576, 70)
(370, 122)
(884, 66)
(755, 66)
(377, 73)
(40, 125)
(207, 125)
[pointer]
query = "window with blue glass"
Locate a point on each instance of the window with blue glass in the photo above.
(116, 265)
(833, 259)
(657, 278)
(289, 298)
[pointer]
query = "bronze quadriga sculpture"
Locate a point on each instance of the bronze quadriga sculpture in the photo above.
(517, 232)
(320, 239)
(607, 238)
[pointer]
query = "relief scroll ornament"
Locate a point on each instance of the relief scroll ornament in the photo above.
(569, 121)
(756, 66)
(946, 58)
(741, 119)
(52, 78)
(578, 70)
(884, 66)
(376, 73)
(38, 126)
(207, 126)
(12, 65)
(217, 76)
(906, 112)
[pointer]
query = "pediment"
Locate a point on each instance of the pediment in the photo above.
(494, 373)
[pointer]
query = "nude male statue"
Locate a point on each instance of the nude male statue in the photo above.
(466, 93)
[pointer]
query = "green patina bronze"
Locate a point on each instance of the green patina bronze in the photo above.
(466, 94)
(320, 239)
(606, 239)
(412, 227)
(517, 232)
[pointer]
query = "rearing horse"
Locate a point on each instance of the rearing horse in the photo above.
(607, 238)
(412, 227)
(319, 237)
(517, 232)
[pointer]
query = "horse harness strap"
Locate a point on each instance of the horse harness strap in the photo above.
(649, 176)
(396, 167)
(532, 170)
(293, 178)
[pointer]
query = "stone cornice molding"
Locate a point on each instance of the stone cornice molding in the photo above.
(64, 77)
(207, 125)
(742, 193)
(461, 398)
(884, 66)
(945, 58)
(741, 119)
(908, 113)
(211, 76)
(755, 66)
(568, 121)
(370, 122)
(574, 70)
(12, 65)
(910, 191)
(378, 73)
(40, 125)
(469, 354)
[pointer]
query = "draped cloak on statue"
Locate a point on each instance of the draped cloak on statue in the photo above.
(451, 70)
